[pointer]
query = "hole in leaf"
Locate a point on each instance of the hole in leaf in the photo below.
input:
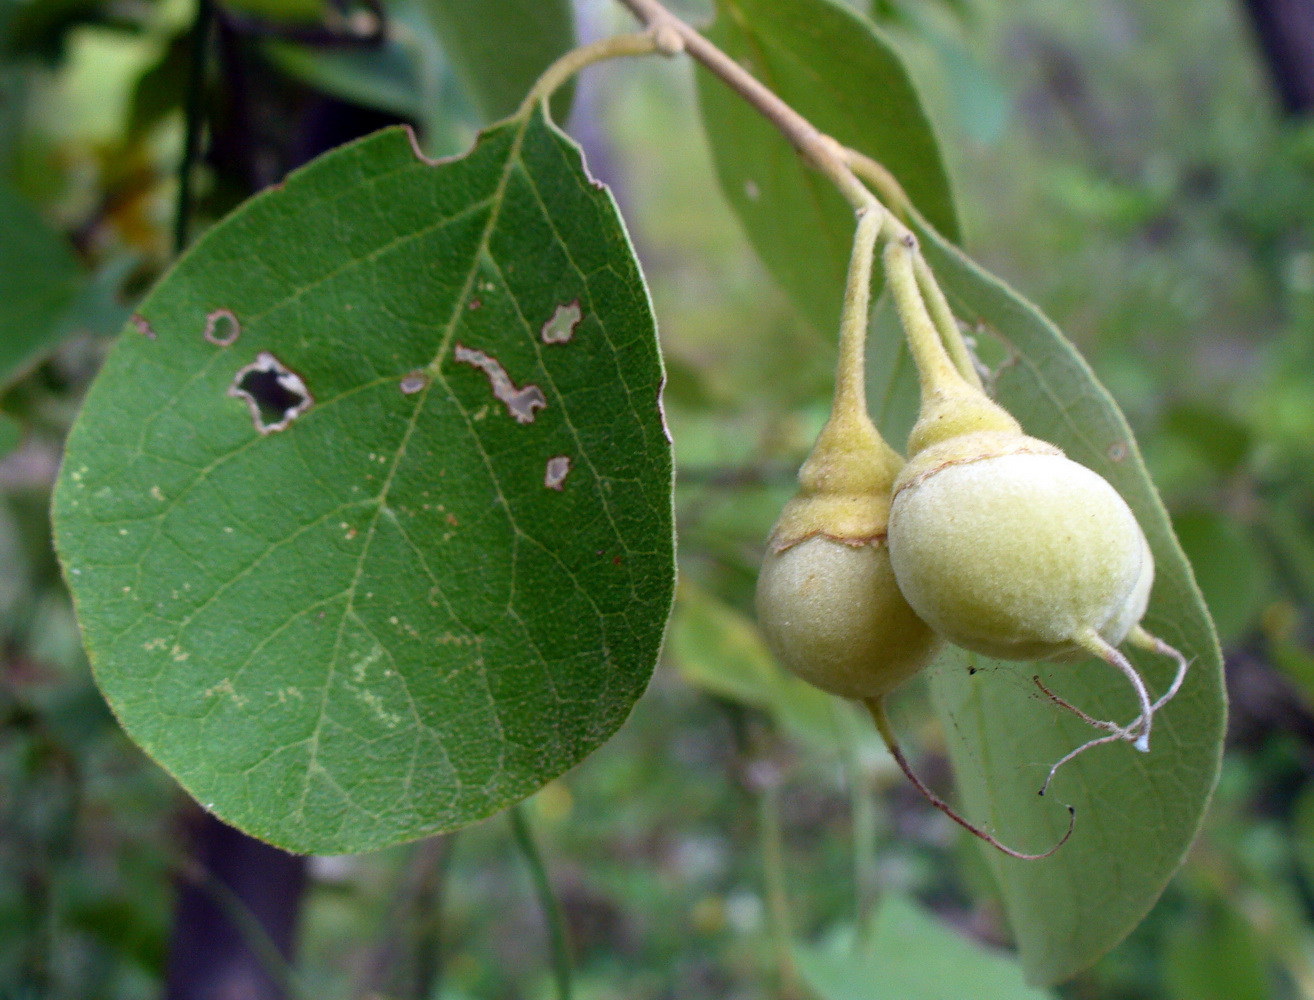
(274, 394)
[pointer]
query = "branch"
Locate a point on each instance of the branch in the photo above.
(846, 168)
(816, 147)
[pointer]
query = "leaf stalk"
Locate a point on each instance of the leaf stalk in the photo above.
(640, 43)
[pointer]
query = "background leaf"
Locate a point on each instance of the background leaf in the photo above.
(39, 280)
(11, 434)
(386, 77)
(402, 612)
(840, 73)
(907, 954)
(1230, 569)
(1217, 957)
(280, 10)
(1136, 813)
(500, 47)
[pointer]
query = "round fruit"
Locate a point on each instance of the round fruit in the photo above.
(833, 615)
(1010, 549)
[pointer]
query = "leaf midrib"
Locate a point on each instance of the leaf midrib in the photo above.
(434, 366)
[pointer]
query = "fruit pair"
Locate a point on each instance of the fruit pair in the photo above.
(987, 538)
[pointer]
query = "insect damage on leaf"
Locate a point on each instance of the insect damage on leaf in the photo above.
(222, 328)
(554, 477)
(520, 403)
(142, 326)
(561, 327)
(274, 393)
(413, 382)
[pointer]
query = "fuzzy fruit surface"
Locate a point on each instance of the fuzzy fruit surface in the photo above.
(1011, 549)
(833, 615)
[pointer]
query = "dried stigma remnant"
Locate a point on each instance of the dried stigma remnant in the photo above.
(412, 382)
(222, 328)
(520, 403)
(143, 327)
(558, 467)
(561, 327)
(274, 393)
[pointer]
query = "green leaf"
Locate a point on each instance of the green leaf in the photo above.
(1230, 568)
(908, 954)
(500, 47)
(444, 582)
(1221, 440)
(385, 77)
(279, 10)
(843, 75)
(978, 98)
(11, 434)
(39, 281)
(1136, 813)
(1216, 955)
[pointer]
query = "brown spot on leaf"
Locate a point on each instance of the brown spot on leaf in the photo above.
(561, 327)
(144, 328)
(413, 382)
(558, 467)
(520, 403)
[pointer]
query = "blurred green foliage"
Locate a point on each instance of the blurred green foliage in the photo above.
(1123, 163)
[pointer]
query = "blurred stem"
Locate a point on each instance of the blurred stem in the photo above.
(862, 803)
(407, 961)
(556, 920)
(194, 117)
(429, 918)
(773, 871)
(253, 933)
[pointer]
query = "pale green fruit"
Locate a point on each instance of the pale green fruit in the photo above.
(833, 615)
(827, 600)
(1010, 549)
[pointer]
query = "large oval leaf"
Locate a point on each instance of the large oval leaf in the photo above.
(1136, 813)
(840, 72)
(444, 580)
